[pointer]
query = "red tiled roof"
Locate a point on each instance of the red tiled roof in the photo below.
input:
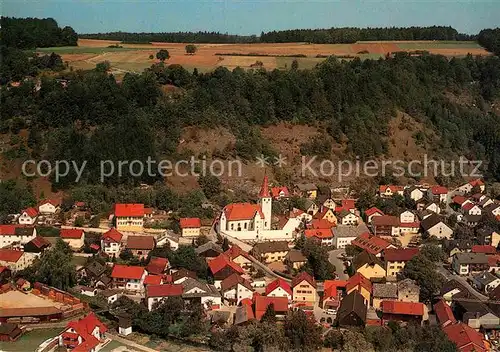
(321, 224)
(280, 305)
(330, 288)
(235, 251)
(242, 211)
(459, 200)
(190, 223)
(84, 328)
(148, 211)
(264, 189)
(127, 272)
(373, 210)
(279, 282)
(439, 190)
(54, 202)
(403, 308)
(465, 337)
(246, 301)
(8, 229)
(3, 268)
(493, 260)
(32, 212)
(385, 220)
(71, 233)
(476, 182)
(166, 290)
(348, 204)
(301, 277)
(40, 242)
(400, 254)
(10, 255)
(468, 206)
(415, 224)
(140, 242)
(358, 279)
(220, 262)
(152, 280)
(370, 243)
(444, 313)
(132, 210)
(113, 235)
(318, 233)
(483, 249)
(393, 188)
(275, 191)
(157, 265)
(95, 246)
(322, 213)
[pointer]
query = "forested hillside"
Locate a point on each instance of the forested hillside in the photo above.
(173, 37)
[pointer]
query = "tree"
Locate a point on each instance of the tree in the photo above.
(302, 332)
(201, 240)
(352, 251)
(225, 244)
(162, 55)
(151, 57)
(191, 49)
(317, 261)
(126, 254)
(210, 185)
(423, 271)
(186, 257)
(270, 315)
(79, 221)
(295, 64)
(103, 66)
(433, 253)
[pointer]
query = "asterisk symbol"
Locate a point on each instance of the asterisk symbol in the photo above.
(280, 160)
(262, 161)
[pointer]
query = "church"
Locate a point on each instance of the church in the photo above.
(252, 222)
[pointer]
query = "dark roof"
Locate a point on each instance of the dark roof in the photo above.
(451, 285)
(366, 258)
(208, 246)
(353, 302)
(140, 242)
(303, 276)
(295, 256)
(7, 328)
(271, 246)
(472, 218)
(430, 221)
(471, 258)
(399, 254)
(95, 269)
(387, 290)
(179, 274)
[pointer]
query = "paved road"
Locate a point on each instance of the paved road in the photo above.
(462, 280)
(339, 265)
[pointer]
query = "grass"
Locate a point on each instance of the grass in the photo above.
(77, 260)
(85, 50)
(114, 344)
(440, 45)
(30, 340)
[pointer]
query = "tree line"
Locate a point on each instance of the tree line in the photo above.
(490, 39)
(30, 33)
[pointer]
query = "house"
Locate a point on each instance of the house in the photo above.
(37, 245)
(280, 306)
(157, 266)
(485, 201)
(109, 295)
(326, 214)
(323, 236)
(279, 288)
(190, 227)
(465, 338)
(75, 238)
(408, 291)
(111, 242)
(415, 193)
(48, 207)
(240, 257)
(444, 314)
(127, 277)
(329, 203)
(88, 291)
(433, 225)
(451, 247)
(9, 332)
(485, 281)
(402, 311)
(306, 190)
(384, 292)
(352, 311)
(387, 191)
(153, 280)
(222, 267)
(458, 201)
(372, 244)
(86, 334)
(304, 289)
(28, 216)
(493, 208)
(11, 234)
(181, 275)
(332, 293)
(280, 193)
(158, 293)
(396, 259)
(129, 217)
(408, 223)
(452, 289)
(486, 249)
(294, 259)
(23, 285)
(209, 250)
(140, 246)
(371, 213)
(16, 260)
(345, 217)
(474, 313)
(206, 295)
(467, 188)
(234, 288)
(311, 207)
(466, 263)
(386, 225)
(438, 193)
(269, 252)
(359, 283)
(345, 234)
(471, 209)
(369, 265)
(347, 204)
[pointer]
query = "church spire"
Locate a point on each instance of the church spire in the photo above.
(264, 189)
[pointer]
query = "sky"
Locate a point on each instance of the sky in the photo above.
(255, 16)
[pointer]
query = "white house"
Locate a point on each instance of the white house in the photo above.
(111, 242)
(345, 234)
(467, 188)
(471, 209)
(466, 263)
(415, 193)
(279, 288)
(387, 191)
(345, 217)
(234, 288)
(157, 293)
(485, 281)
(434, 226)
(86, 334)
(190, 227)
(28, 216)
(128, 277)
(371, 213)
(208, 295)
(48, 207)
(10, 234)
(433, 206)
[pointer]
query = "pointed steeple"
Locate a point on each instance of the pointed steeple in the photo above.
(264, 189)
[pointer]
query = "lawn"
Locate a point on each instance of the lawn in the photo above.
(77, 260)
(30, 340)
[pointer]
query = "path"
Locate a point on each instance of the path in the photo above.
(130, 343)
(339, 264)
(449, 276)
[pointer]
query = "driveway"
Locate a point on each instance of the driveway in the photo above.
(339, 265)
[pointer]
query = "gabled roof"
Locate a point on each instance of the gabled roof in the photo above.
(140, 242)
(465, 337)
(270, 247)
(182, 273)
(439, 190)
(370, 243)
(354, 302)
(483, 249)
(321, 224)
(468, 206)
(307, 187)
(127, 272)
(366, 258)
(385, 220)
(166, 290)
(280, 305)
(485, 277)
(402, 308)
(113, 235)
(132, 210)
(279, 282)
(157, 265)
(393, 188)
(459, 200)
(10, 255)
(318, 233)
(152, 280)
(222, 261)
(345, 231)
(187, 223)
(387, 290)
(242, 211)
(444, 313)
(373, 210)
(208, 246)
(295, 256)
(235, 251)
(476, 182)
(358, 280)
(330, 288)
(71, 233)
(264, 189)
(84, 328)
(399, 254)
(471, 258)
(233, 280)
(348, 204)
(303, 276)
(54, 202)
(243, 313)
(275, 191)
(40, 242)
(12, 230)
(31, 212)
(430, 221)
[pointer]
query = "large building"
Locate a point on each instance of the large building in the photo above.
(86, 334)
(13, 234)
(129, 217)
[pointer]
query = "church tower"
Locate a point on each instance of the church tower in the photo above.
(266, 203)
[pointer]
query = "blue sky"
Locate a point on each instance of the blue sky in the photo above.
(254, 16)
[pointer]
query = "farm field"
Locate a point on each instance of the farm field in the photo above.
(135, 57)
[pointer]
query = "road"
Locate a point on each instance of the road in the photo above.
(339, 265)
(449, 276)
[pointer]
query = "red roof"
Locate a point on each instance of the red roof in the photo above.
(358, 280)
(400, 254)
(40, 242)
(141, 242)
(246, 301)
(459, 200)
(330, 288)
(275, 191)
(280, 305)
(322, 213)
(483, 249)
(71, 233)
(148, 211)
(166, 290)
(132, 210)
(373, 210)
(403, 308)
(32, 212)
(112, 236)
(279, 282)
(233, 280)
(8, 229)
(127, 272)
(152, 280)
(466, 338)
(157, 265)
(235, 251)
(10, 255)
(439, 190)
(54, 202)
(393, 188)
(385, 220)
(370, 243)
(264, 189)
(190, 223)
(348, 204)
(415, 224)
(84, 328)
(444, 313)
(222, 261)
(242, 211)
(468, 206)
(321, 224)
(303, 276)
(3, 268)
(95, 247)
(477, 182)
(79, 204)
(319, 233)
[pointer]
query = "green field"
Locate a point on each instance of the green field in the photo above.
(30, 340)
(85, 50)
